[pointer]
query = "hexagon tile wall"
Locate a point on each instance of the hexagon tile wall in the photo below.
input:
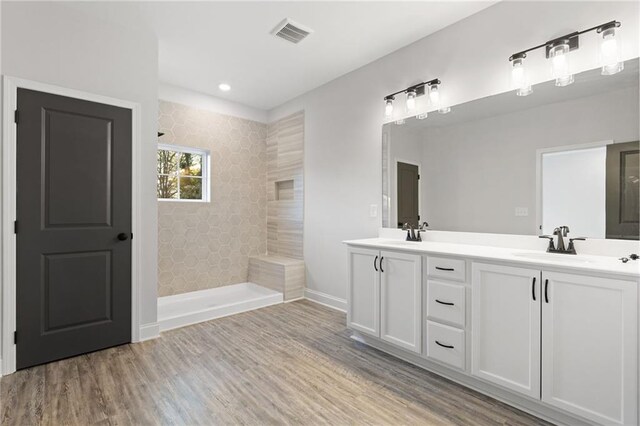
(206, 245)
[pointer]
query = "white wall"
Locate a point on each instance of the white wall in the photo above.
(476, 173)
(50, 43)
(343, 118)
(207, 102)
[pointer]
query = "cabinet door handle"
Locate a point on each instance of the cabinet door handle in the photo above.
(444, 303)
(374, 263)
(546, 291)
(444, 346)
(381, 270)
(533, 289)
(445, 269)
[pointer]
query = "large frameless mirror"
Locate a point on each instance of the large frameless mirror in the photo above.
(522, 164)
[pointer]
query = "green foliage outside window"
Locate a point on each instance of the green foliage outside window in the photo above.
(179, 175)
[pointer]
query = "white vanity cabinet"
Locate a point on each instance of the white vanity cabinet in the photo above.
(558, 339)
(384, 296)
(505, 323)
(589, 346)
(400, 299)
(363, 295)
(568, 339)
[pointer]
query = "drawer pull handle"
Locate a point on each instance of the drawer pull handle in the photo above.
(445, 269)
(444, 303)
(381, 270)
(374, 263)
(444, 346)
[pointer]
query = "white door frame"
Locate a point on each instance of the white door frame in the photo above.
(539, 153)
(9, 166)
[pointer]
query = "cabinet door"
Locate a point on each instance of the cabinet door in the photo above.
(400, 299)
(363, 296)
(505, 321)
(589, 341)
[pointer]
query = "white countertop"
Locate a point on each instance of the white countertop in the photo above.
(584, 263)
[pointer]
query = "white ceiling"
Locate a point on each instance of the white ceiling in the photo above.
(205, 43)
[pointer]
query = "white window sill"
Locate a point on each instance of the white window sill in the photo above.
(171, 200)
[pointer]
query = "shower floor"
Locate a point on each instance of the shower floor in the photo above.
(190, 308)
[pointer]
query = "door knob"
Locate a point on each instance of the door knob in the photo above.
(122, 236)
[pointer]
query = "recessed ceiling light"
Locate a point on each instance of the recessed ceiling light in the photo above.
(224, 87)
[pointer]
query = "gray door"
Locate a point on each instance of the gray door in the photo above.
(408, 194)
(73, 289)
(623, 190)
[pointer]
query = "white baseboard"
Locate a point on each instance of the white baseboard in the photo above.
(149, 331)
(190, 308)
(326, 300)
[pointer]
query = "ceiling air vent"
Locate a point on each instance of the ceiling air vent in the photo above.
(291, 31)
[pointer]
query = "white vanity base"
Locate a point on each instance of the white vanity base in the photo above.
(529, 406)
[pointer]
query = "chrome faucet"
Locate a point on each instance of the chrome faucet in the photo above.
(561, 232)
(411, 232)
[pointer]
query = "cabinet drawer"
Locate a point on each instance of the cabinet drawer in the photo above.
(445, 344)
(445, 302)
(443, 267)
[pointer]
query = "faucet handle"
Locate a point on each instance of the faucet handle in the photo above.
(571, 240)
(551, 246)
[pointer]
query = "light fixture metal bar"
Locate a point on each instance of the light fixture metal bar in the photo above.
(573, 40)
(418, 88)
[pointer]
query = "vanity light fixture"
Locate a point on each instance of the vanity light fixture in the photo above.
(519, 75)
(411, 100)
(434, 94)
(557, 51)
(560, 63)
(388, 106)
(432, 87)
(610, 49)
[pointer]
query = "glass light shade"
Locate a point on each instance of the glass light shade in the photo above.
(520, 77)
(388, 107)
(560, 64)
(411, 100)
(610, 52)
(434, 95)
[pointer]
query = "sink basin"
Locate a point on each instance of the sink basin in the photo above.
(554, 257)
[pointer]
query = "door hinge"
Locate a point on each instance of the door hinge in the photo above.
(132, 235)
(15, 337)
(15, 116)
(15, 226)
(418, 177)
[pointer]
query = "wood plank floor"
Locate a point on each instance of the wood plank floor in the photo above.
(286, 364)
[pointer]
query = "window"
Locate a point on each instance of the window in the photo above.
(183, 173)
